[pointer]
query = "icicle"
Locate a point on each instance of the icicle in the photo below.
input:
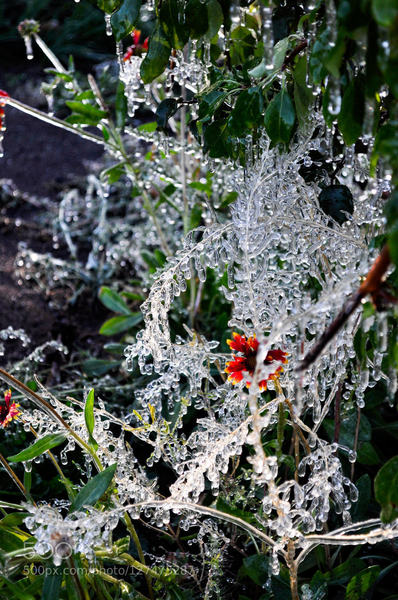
(28, 45)
(108, 25)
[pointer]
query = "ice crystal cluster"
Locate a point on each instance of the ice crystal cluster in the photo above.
(277, 241)
(59, 537)
(274, 243)
(289, 268)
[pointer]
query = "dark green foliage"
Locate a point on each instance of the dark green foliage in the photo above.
(94, 489)
(279, 118)
(124, 19)
(386, 490)
(157, 56)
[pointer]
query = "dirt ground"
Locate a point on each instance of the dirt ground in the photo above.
(39, 160)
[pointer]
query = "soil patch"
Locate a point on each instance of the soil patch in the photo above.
(39, 160)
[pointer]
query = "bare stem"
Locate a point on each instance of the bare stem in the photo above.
(49, 53)
(292, 566)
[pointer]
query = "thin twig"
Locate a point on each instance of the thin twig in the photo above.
(369, 286)
(290, 57)
(337, 415)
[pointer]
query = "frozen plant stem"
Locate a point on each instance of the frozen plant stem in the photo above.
(49, 53)
(42, 116)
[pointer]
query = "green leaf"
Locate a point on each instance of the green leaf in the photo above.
(94, 489)
(60, 74)
(122, 323)
(243, 44)
(360, 508)
(386, 490)
(215, 18)
(279, 52)
(302, 93)
(319, 54)
(120, 106)
(352, 111)
(114, 173)
(92, 113)
(115, 348)
(113, 301)
(373, 76)
(196, 19)
(385, 11)
(386, 145)
(89, 418)
(10, 541)
(255, 567)
(367, 454)
(108, 6)
(279, 118)
(335, 56)
(99, 366)
(210, 102)
(361, 583)
(229, 509)
(52, 584)
(157, 57)
(393, 243)
(89, 414)
(247, 111)
(165, 110)
(41, 445)
(13, 519)
(217, 141)
(177, 33)
(344, 572)
(259, 70)
(87, 95)
(148, 127)
(348, 428)
(124, 19)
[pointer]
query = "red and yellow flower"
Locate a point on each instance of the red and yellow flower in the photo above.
(245, 363)
(8, 410)
(136, 48)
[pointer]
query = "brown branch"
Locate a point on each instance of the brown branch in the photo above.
(337, 414)
(290, 57)
(369, 286)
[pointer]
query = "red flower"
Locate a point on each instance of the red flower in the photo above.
(247, 362)
(136, 48)
(8, 411)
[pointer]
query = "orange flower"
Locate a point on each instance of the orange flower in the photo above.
(246, 362)
(8, 411)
